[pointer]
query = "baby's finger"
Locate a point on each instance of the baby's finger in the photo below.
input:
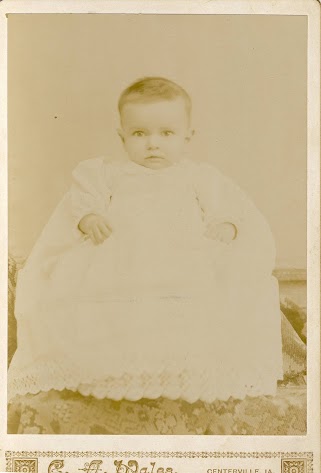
(104, 230)
(97, 235)
(92, 237)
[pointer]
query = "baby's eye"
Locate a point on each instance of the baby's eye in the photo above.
(138, 133)
(167, 133)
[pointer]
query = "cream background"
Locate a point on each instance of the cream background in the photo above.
(246, 76)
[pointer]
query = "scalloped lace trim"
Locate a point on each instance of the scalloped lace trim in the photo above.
(191, 386)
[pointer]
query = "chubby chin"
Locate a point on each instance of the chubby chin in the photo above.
(152, 162)
(156, 162)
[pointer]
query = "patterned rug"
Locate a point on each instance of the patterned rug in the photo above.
(71, 413)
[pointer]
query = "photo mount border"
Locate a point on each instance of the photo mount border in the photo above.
(21, 7)
(306, 457)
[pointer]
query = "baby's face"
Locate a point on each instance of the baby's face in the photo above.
(155, 134)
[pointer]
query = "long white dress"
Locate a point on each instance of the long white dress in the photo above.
(158, 309)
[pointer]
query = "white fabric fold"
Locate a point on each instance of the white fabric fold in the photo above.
(158, 309)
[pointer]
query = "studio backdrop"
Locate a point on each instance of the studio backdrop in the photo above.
(246, 76)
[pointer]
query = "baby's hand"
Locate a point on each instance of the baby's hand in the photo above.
(96, 227)
(224, 232)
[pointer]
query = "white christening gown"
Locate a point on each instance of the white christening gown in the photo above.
(158, 309)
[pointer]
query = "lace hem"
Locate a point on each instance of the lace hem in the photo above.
(205, 385)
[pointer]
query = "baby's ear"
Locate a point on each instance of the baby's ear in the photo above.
(121, 134)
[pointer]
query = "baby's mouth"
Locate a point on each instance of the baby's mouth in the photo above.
(154, 157)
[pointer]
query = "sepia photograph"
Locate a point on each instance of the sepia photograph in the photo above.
(160, 243)
(157, 196)
(157, 224)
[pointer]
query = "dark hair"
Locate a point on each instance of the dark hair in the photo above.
(150, 89)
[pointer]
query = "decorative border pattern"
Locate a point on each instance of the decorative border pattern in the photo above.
(25, 465)
(293, 466)
(299, 462)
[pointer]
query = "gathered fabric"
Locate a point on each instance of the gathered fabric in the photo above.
(158, 309)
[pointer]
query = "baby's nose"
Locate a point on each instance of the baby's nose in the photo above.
(153, 141)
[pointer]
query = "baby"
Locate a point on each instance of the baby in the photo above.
(153, 276)
(155, 130)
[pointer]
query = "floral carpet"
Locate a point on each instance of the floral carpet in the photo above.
(67, 412)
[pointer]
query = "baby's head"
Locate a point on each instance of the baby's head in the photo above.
(155, 116)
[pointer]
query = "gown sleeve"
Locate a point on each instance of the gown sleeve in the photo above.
(221, 200)
(88, 194)
(244, 268)
(90, 190)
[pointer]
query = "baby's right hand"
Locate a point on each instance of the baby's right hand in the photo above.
(96, 227)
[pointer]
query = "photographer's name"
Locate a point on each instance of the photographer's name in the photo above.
(134, 466)
(120, 466)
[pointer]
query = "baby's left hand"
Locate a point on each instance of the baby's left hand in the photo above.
(224, 232)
